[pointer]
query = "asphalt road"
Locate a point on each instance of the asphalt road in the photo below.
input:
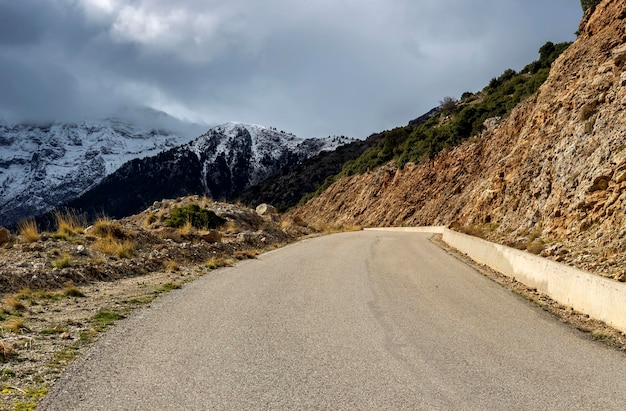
(355, 321)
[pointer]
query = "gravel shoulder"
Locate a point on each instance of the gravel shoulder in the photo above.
(594, 329)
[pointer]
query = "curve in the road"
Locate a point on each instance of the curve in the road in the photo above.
(365, 320)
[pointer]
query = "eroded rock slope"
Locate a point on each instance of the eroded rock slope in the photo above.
(550, 178)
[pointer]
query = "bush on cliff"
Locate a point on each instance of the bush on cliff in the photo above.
(587, 4)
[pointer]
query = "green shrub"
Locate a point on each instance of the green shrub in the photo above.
(199, 217)
(447, 105)
(587, 4)
(63, 262)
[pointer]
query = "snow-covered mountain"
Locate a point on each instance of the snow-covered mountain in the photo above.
(235, 156)
(42, 166)
(221, 164)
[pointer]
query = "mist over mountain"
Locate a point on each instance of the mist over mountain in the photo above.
(45, 164)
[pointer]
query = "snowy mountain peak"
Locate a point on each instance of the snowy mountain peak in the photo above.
(43, 165)
(262, 151)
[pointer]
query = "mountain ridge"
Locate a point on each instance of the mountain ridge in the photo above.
(220, 164)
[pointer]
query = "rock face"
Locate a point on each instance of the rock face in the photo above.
(553, 171)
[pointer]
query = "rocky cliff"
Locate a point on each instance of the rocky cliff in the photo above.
(550, 178)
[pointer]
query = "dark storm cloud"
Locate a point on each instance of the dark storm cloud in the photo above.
(314, 67)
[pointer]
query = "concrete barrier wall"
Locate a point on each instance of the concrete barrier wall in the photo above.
(599, 297)
(432, 230)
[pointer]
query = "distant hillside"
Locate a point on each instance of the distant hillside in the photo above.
(285, 189)
(295, 185)
(550, 177)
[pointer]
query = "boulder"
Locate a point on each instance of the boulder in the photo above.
(266, 209)
(211, 236)
(5, 236)
(491, 123)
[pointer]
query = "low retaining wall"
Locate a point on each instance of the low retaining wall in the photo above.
(431, 230)
(599, 297)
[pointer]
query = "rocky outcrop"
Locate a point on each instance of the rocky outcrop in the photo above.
(553, 172)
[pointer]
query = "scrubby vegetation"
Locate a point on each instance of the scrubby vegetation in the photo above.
(62, 290)
(200, 218)
(28, 230)
(456, 121)
(587, 4)
(68, 223)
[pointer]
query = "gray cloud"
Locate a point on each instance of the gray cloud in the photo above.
(312, 67)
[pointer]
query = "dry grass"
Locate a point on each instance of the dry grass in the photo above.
(167, 287)
(218, 262)
(232, 227)
(148, 221)
(6, 350)
(105, 227)
(70, 290)
(24, 294)
(16, 325)
(62, 262)
(111, 246)
(171, 266)
(106, 245)
(69, 222)
(187, 229)
(28, 230)
(246, 254)
(14, 303)
(291, 223)
(205, 201)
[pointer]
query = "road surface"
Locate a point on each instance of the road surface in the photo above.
(355, 321)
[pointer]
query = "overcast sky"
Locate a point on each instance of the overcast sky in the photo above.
(312, 67)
